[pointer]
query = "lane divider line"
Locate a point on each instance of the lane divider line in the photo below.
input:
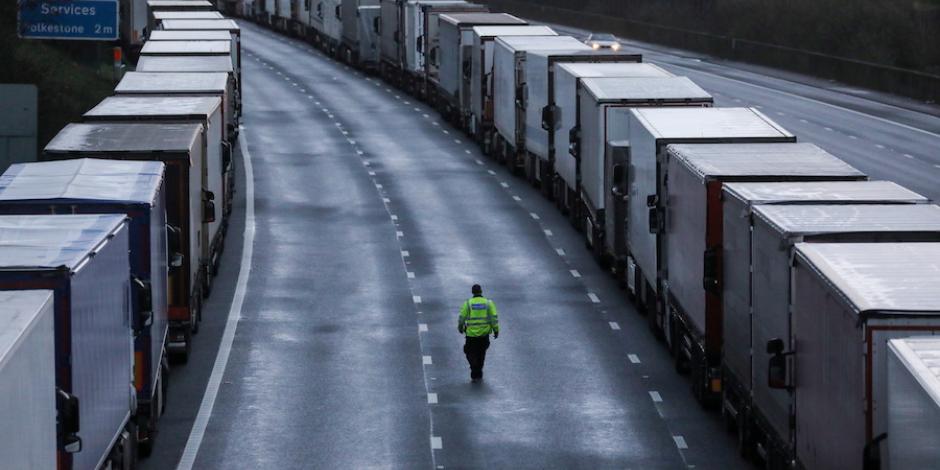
(198, 432)
(634, 359)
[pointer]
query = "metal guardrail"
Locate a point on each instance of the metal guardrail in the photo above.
(904, 82)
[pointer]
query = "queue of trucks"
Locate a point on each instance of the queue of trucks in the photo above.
(799, 296)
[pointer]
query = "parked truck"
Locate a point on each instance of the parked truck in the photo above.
(510, 95)
(477, 89)
(214, 25)
(564, 102)
(191, 64)
(452, 68)
(201, 110)
(135, 190)
(325, 17)
(760, 415)
(180, 5)
(93, 350)
(181, 148)
(427, 46)
(189, 35)
(849, 300)
(157, 17)
(360, 29)
(28, 381)
(913, 403)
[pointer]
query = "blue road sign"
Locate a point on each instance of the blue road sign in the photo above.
(68, 19)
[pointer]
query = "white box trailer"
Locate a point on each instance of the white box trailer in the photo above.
(326, 21)
(477, 90)
(157, 17)
(353, 21)
(84, 260)
(193, 35)
(27, 380)
(429, 39)
(649, 131)
(541, 117)
(849, 300)
(367, 54)
(597, 99)
(738, 200)
(913, 403)
(692, 237)
(509, 87)
(175, 110)
(567, 84)
(776, 229)
(181, 148)
(179, 5)
(196, 64)
(455, 45)
(214, 25)
(390, 37)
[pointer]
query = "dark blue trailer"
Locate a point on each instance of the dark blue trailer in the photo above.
(84, 260)
(135, 189)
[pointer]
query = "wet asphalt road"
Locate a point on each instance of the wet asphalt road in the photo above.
(373, 220)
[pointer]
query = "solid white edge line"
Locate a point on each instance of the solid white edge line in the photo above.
(188, 459)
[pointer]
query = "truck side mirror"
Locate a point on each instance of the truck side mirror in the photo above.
(174, 242)
(420, 44)
(549, 117)
(226, 155)
(711, 260)
(656, 221)
(68, 423)
(574, 142)
(618, 180)
(338, 12)
(208, 207)
(377, 25)
(144, 295)
(466, 70)
(777, 365)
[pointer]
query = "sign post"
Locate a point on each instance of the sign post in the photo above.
(92, 20)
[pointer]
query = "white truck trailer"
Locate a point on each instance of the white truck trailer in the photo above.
(849, 300)
(359, 26)
(476, 91)
(509, 89)
(27, 380)
(913, 403)
(427, 53)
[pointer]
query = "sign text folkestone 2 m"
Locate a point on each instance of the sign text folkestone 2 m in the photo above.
(95, 20)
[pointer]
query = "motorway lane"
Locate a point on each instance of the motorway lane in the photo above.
(889, 138)
(361, 261)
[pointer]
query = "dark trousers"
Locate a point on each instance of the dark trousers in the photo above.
(475, 349)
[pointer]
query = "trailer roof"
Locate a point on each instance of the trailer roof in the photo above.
(29, 242)
(561, 44)
(879, 278)
(184, 48)
(162, 107)
(477, 18)
(921, 357)
(180, 3)
(225, 24)
(187, 15)
(84, 179)
(709, 123)
(20, 308)
(644, 89)
(170, 82)
(580, 54)
(812, 219)
(822, 191)
(760, 159)
(499, 31)
(163, 140)
(181, 63)
(190, 35)
(614, 69)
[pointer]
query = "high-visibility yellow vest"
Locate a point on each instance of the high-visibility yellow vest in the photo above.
(478, 317)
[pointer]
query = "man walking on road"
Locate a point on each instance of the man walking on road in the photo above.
(478, 318)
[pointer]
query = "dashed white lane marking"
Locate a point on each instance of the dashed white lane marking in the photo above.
(399, 234)
(907, 155)
(360, 152)
(548, 232)
(680, 442)
(378, 186)
(656, 397)
(560, 251)
(394, 217)
(534, 215)
(371, 173)
(422, 327)
(436, 443)
(416, 299)
(432, 398)
(614, 326)
(504, 184)
(407, 102)
(936, 166)
(426, 360)
(574, 273)
(594, 298)
(517, 198)
(386, 200)
(479, 162)
(853, 137)
(458, 141)
(425, 115)
(781, 114)
(634, 359)
(434, 123)
(198, 431)
(418, 109)
(828, 129)
(405, 253)
(880, 146)
(804, 121)
(468, 152)
(491, 172)
(410, 275)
